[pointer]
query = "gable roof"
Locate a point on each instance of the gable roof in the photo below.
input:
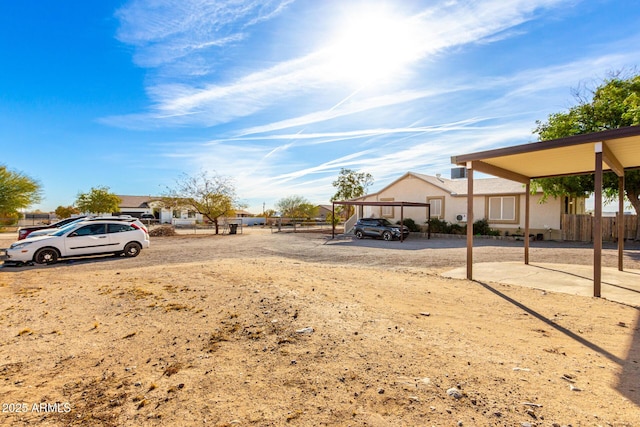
(141, 202)
(458, 187)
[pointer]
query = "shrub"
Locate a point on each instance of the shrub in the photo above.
(410, 224)
(438, 226)
(481, 227)
(457, 229)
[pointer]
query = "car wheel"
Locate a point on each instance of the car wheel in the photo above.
(132, 249)
(387, 235)
(46, 256)
(359, 234)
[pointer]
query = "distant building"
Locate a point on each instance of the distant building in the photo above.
(137, 206)
(324, 212)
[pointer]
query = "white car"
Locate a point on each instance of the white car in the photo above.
(89, 237)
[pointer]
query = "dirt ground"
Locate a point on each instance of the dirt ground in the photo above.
(272, 329)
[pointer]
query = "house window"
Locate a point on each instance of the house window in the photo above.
(436, 206)
(177, 213)
(191, 214)
(387, 211)
(502, 208)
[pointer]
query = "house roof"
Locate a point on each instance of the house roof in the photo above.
(484, 186)
(141, 202)
(243, 212)
(458, 187)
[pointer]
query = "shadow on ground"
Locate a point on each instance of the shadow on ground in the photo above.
(629, 380)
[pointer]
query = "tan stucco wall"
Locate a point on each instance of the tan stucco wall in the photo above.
(412, 189)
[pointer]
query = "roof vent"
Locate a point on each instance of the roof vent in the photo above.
(458, 173)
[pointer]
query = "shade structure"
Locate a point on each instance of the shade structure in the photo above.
(612, 150)
(389, 203)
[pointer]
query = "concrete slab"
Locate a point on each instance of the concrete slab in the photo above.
(619, 286)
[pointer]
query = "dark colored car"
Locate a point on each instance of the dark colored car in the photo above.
(148, 218)
(379, 228)
(23, 232)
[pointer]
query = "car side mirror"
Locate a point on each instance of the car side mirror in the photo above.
(74, 234)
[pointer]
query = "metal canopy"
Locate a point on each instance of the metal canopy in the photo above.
(565, 156)
(615, 150)
(390, 203)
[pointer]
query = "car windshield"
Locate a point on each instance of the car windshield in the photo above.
(66, 228)
(384, 221)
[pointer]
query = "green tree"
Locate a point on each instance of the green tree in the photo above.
(212, 196)
(98, 200)
(17, 191)
(350, 184)
(613, 104)
(63, 212)
(296, 207)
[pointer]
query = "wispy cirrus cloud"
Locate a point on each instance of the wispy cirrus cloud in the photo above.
(166, 32)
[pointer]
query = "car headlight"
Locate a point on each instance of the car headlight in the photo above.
(19, 245)
(395, 229)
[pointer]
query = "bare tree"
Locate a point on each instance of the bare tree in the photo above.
(212, 196)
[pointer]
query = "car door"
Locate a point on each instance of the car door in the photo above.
(380, 227)
(88, 239)
(120, 235)
(370, 228)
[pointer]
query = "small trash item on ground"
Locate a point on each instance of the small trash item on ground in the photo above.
(535, 405)
(455, 393)
(307, 330)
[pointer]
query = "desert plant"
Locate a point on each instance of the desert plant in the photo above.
(410, 224)
(438, 226)
(481, 227)
(457, 229)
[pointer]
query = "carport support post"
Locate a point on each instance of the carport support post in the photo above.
(527, 204)
(401, 222)
(621, 235)
(470, 220)
(333, 222)
(597, 223)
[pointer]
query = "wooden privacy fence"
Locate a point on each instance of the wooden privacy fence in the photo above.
(580, 228)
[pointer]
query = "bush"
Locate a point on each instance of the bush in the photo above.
(410, 224)
(457, 229)
(438, 226)
(481, 227)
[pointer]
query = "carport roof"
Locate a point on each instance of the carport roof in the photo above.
(565, 156)
(615, 149)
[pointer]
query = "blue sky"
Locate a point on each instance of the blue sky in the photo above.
(281, 94)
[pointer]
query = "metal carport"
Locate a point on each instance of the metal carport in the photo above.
(401, 204)
(616, 150)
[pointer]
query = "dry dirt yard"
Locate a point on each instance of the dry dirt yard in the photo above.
(262, 329)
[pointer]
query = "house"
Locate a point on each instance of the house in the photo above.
(500, 201)
(324, 212)
(139, 205)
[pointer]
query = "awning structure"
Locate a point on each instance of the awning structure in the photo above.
(612, 150)
(390, 203)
